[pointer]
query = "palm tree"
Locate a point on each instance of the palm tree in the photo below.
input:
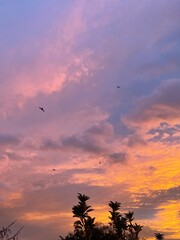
(159, 236)
(89, 226)
(85, 223)
(115, 206)
(137, 228)
(118, 222)
(120, 227)
(129, 217)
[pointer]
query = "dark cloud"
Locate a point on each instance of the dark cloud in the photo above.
(148, 207)
(71, 172)
(145, 212)
(84, 143)
(135, 140)
(102, 129)
(93, 140)
(75, 142)
(14, 156)
(159, 105)
(163, 58)
(49, 144)
(151, 169)
(8, 139)
(119, 157)
(165, 133)
(156, 198)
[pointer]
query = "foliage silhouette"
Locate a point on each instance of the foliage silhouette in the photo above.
(118, 223)
(6, 233)
(120, 227)
(159, 236)
(129, 217)
(85, 223)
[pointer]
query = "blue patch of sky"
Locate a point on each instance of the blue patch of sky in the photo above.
(20, 20)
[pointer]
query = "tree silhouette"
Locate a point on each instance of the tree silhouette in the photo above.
(129, 217)
(85, 223)
(137, 228)
(159, 236)
(6, 233)
(118, 222)
(119, 228)
(102, 232)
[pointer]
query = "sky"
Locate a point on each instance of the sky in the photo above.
(112, 144)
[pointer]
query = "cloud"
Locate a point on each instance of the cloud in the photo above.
(8, 139)
(43, 207)
(155, 198)
(70, 63)
(93, 140)
(151, 209)
(21, 155)
(103, 129)
(158, 106)
(85, 143)
(166, 133)
(135, 140)
(53, 61)
(119, 157)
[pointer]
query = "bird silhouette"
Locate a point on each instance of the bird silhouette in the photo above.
(42, 109)
(54, 169)
(118, 87)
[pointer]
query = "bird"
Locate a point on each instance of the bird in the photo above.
(54, 169)
(118, 87)
(100, 162)
(42, 109)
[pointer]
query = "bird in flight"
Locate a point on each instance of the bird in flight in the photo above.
(54, 169)
(42, 109)
(118, 87)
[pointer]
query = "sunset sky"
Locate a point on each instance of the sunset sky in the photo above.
(69, 56)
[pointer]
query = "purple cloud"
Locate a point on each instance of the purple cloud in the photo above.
(159, 105)
(8, 139)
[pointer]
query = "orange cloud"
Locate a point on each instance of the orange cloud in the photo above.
(44, 216)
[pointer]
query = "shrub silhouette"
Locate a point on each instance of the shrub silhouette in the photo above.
(119, 228)
(159, 236)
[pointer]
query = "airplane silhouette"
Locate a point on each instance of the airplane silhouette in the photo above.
(42, 109)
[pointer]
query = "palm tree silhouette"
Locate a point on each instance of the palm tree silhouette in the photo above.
(85, 223)
(137, 228)
(159, 236)
(89, 226)
(120, 227)
(119, 223)
(129, 217)
(115, 206)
